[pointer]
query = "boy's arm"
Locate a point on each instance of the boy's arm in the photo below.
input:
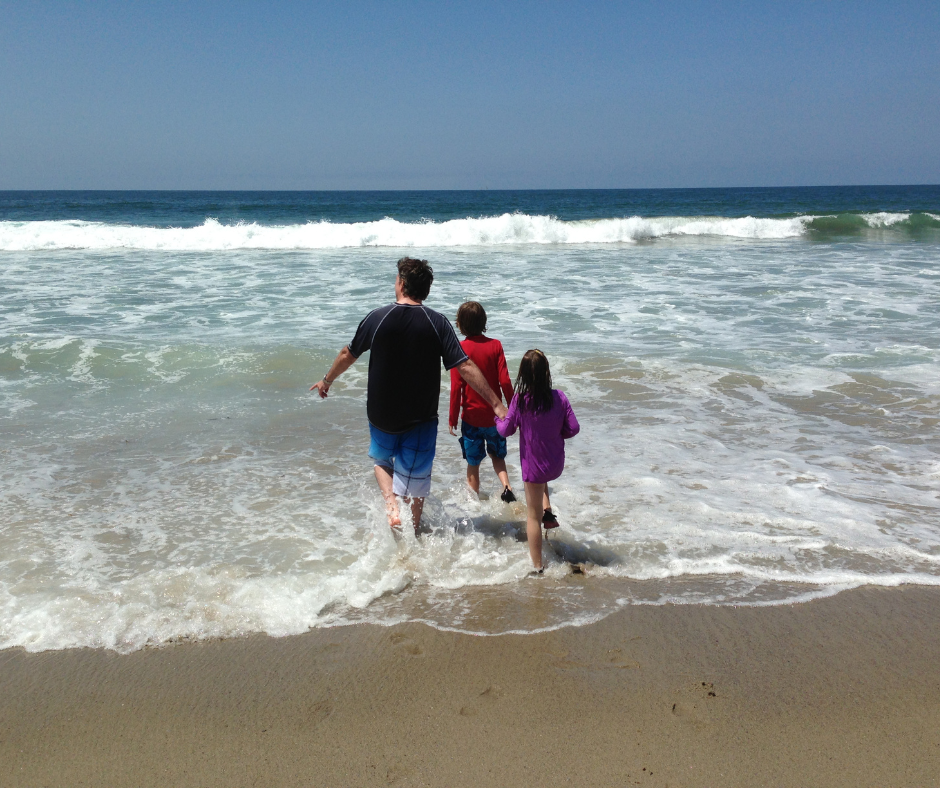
(504, 382)
(456, 399)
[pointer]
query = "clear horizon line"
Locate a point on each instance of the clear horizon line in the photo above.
(526, 189)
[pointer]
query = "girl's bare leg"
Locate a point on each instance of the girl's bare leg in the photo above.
(533, 523)
(546, 504)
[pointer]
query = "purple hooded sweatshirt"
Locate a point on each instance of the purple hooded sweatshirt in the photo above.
(542, 440)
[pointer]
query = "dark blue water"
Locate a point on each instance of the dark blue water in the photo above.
(190, 209)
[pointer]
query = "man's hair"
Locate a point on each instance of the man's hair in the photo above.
(471, 319)
(416, 277)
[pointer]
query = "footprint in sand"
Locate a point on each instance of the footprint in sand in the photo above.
(613, 658)
(397, 771)
(319, 711)
(488, 696)
(330, 653)
(617, 659)
(406, 645)
(695, 703)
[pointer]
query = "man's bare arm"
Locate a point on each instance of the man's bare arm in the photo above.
(470, 372)
(343, 361)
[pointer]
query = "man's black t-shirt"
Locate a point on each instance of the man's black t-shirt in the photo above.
(408, 343)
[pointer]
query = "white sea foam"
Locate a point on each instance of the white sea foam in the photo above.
(758, 426)
(489, 231)
(884, 219)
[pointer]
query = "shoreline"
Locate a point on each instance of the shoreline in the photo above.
(839, 691)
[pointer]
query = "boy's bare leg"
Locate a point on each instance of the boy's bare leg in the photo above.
(473, 478)
(499, 465)
(383, 476)
(533, 523)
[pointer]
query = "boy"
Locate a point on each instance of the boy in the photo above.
(478, 435)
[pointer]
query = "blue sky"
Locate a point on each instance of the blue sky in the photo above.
(357, 95)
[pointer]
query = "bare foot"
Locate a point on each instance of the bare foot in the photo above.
(394, 522)
(422, 528)
(393, 514)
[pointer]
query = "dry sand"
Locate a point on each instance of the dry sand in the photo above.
(837, 692)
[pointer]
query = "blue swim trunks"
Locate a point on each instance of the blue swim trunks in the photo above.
(477, 442)
(409, 455)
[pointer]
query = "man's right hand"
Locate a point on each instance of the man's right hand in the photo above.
(452, 429)
(501, 411)
(321, 387)
(343, 361)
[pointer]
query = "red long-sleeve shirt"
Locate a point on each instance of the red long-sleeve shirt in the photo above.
(488, 355)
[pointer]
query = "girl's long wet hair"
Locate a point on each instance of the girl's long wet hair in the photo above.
(534, 382)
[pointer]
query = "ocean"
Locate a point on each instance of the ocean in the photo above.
(756, 373)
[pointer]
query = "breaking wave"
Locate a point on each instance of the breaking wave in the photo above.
(508, 228)
(488, 231)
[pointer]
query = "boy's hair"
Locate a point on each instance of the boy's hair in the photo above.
(534, 382)
(416, 277)
(471, 319)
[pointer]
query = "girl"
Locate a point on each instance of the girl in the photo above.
(546, 419)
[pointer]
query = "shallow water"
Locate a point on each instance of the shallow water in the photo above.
(759, 404)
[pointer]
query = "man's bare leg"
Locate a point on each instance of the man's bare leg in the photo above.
(383, 476)
(473, 478)
(417, 507)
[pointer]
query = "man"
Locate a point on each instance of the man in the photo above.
(408, 342)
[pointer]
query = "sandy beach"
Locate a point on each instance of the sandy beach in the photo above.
(836, 692)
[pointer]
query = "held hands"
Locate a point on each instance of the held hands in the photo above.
(501, 411)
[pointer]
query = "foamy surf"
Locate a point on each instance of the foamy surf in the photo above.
(758, 418)
(502, 230)
(493, 231)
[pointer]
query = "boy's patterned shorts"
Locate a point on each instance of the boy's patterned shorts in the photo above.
(477, 442)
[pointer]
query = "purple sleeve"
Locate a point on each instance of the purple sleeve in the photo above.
(570, 428)
(510, 424)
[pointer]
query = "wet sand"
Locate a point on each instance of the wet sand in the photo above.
(837, 692)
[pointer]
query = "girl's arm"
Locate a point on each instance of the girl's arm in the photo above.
(510, 424)
(570, 427)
